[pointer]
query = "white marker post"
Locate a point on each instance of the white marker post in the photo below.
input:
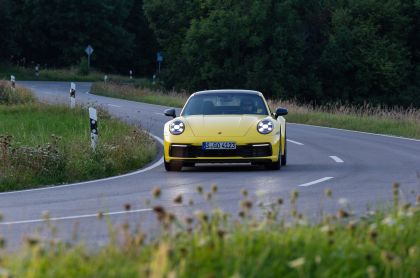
(13, 81)
(93, 117)
(105, 78)
(37, 70)
(131, 74)
(72, 95)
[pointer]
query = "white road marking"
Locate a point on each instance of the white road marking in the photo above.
(159, 113)
(315, 182)
(336, 159)
(154, 165)
(295, 142)
(113, 105)
(72, 217)
(362, 132)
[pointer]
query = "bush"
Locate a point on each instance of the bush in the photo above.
(19, 95)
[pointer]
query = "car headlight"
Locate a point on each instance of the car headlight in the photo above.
(177, 127)
(265, 126)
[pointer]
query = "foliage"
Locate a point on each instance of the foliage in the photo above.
(61, 30)
(19, 95)
(262, 241)
(314, 51)
(43, 145)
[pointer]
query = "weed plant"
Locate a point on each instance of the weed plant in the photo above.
(44, 144)
(262, 241)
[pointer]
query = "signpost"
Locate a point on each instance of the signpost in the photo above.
(131, 74)
(72, 95)
(37, 70)
(89, 50)
(159, 59)
(93, 118)
(13, 80)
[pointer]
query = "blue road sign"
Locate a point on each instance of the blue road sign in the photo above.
(159, 57)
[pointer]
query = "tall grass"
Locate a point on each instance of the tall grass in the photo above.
(397, 121)
(259, 242)
(139, 93)
(43, 144)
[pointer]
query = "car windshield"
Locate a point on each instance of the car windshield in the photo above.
(225, 104)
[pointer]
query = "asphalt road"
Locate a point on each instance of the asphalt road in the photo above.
(358, 167)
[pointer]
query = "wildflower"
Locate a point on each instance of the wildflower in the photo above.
(32, 240)
(294, 195)
(242, 214)
(2, 243)
(373, 234)
(156, 192)
(261, 193)
(46, 215)
(244, 192)
(389, 221)
(214, 188)
(189, 220)
(351, 226)
(160, 212)
(201, 216)
(342, 213)
(127, 206)
(4, 273)
(200, 189)
(221, 233)
(178, 199)
(390, 258)
(318, 259)
(246, 205)
(297, 263)
(413, 251)
(371, 271)
(328, 192)
(343, 202)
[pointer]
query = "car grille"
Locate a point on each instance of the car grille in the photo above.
(189, 151)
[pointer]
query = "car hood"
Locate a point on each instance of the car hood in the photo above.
(224, 125)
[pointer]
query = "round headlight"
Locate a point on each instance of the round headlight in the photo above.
(265, 126)
(177, 127)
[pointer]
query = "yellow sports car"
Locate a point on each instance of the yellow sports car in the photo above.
(225, 126)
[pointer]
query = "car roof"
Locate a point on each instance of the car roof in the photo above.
(235, 91)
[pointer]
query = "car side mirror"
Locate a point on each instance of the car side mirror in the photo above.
(280, 112)
(170, 113)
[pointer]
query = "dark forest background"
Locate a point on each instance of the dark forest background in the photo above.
(317, 51)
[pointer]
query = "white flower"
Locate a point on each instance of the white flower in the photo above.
(343, 202)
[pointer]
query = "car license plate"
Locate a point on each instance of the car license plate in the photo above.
(219, 146)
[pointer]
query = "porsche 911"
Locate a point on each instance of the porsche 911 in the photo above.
(225, 126)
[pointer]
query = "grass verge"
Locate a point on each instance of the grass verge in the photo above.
(43, 144)
(67, 74)
(212, 245)
(382, 120)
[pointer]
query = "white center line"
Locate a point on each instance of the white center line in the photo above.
(336, 159)
(294, 142)
(113, 105)
(315, 182)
